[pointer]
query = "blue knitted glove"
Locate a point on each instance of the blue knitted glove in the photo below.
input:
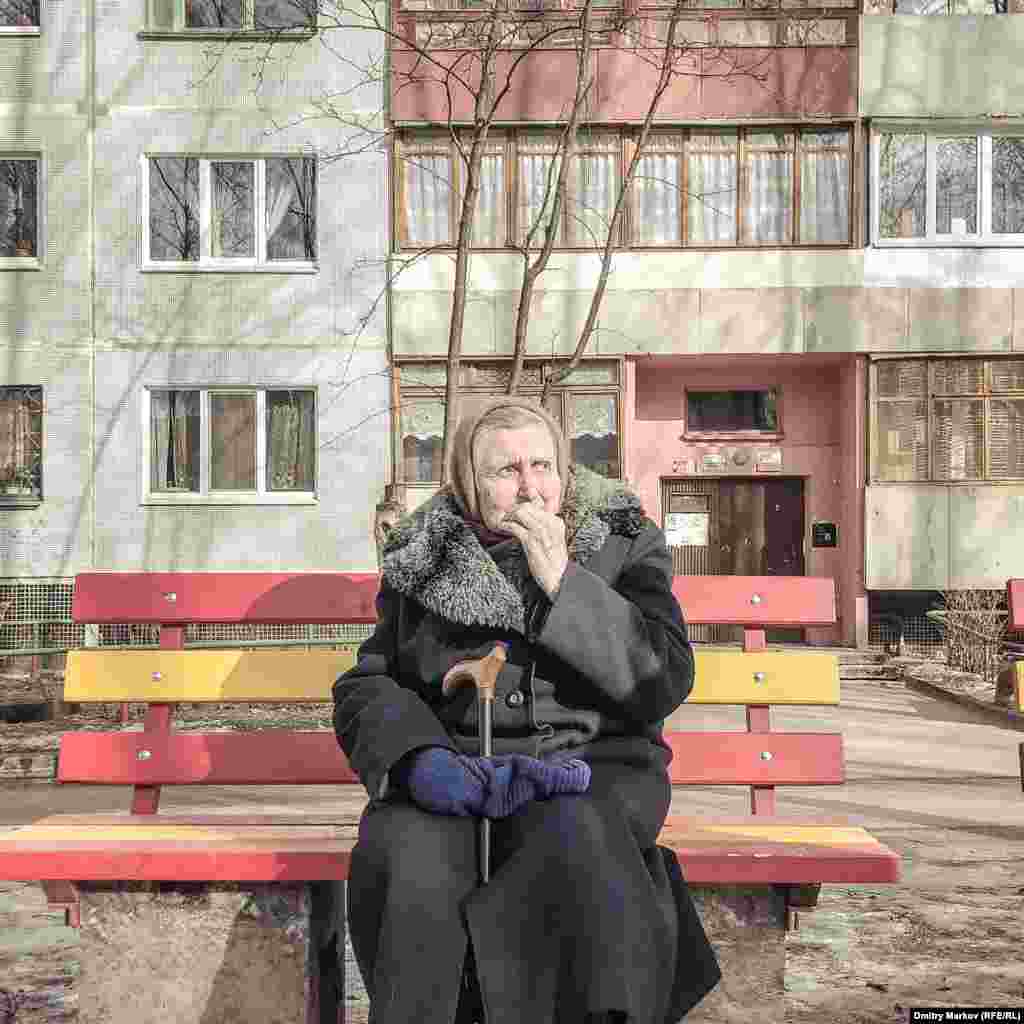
(513, 780)
(441, 781)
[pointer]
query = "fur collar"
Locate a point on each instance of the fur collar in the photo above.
(434, 557)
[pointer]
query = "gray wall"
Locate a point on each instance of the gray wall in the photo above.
(200, 97)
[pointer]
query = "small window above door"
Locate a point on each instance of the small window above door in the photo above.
(740, 412)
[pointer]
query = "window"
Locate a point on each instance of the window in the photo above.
(230, 213)
(19, 16)
(952, 187)
(19, 207)
(948, 419)
(21, 445)
(586, 404)
(730, 412)
(229, 443)
(693, 187)
(234, 15)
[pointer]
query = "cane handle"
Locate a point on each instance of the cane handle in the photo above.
(481, 672)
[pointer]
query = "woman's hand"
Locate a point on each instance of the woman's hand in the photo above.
(542, 535)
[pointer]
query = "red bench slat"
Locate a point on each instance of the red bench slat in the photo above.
(1015, 604)
(225, 597)
(279, 756)
(785, 600)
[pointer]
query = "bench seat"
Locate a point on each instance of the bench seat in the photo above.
(711, 850)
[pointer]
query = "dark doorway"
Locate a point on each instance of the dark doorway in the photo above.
(755, 527)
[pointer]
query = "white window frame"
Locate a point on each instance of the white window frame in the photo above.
(206, 496)
(933, 132)
(248, 24)
(29, 262)
(207, 262)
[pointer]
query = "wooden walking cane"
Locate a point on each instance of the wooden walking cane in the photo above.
(483, 674)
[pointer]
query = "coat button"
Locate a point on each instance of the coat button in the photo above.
(514, 699)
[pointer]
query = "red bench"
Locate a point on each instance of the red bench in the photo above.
(187, 895)
(1015, 622)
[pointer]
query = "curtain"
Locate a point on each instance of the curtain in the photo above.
(769, 197)
(656, 188)
(711, 196)
(15, 436)
(825, 197)
(290, 441)
(174, 419)
(422, 429)
(427, 181)
(232, 442)
(595, 181)
(489, 224)
(538, 174)
(291, 208)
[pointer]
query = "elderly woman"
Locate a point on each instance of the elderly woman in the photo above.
(584, 919)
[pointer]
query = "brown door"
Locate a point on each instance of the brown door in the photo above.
(756, 529)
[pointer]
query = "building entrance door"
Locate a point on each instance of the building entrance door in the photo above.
(735, 526)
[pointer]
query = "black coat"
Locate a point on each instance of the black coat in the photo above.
(596, 672)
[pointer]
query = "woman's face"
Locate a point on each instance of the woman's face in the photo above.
(513, 466)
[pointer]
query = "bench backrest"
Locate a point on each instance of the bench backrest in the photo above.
(754, 677)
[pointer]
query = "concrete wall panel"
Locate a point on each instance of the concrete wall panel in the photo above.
(649, 321)
(941, 67)
(352, 465)
(907, 537)
(960, 319)
(855, 319)
(751, 320)
(987, 528)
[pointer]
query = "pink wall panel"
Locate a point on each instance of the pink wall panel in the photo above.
(816, 445)
(741, 83)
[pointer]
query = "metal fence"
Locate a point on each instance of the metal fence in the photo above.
(35, 619)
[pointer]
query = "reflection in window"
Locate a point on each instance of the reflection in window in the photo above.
(174, 440)
(232, 223)
(19, 235)
(731, 411)
(21, 442)
(174, 208)
(956, 186)
(1007, 185)
(213, 13)
(19, 13)
(291, 208)
(901, 186)
(291, 456)
(271, 14)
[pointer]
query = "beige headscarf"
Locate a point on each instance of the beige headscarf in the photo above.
(463, 473)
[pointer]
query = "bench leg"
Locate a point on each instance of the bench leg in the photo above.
(150, 952)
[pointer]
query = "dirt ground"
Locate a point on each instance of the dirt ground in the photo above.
(947, 935)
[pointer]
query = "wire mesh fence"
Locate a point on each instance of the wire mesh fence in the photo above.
(35, 619)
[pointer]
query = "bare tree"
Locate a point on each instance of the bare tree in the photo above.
(473, 55)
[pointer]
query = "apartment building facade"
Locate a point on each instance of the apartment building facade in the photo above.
(188, 376)
(805, 360)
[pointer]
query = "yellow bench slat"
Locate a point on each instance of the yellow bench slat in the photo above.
(790, 677)
(295, 676)
(1018, 671)
(204, 676)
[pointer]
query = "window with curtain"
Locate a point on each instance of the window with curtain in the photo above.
(21, 443)
(721, 186)
(586, 404)
(948, 419)
(259, 211)
(251, 441)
